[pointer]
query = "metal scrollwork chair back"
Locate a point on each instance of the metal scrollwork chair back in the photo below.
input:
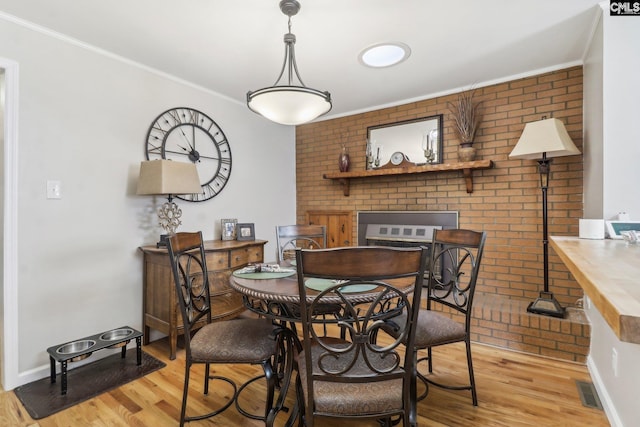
(236, 341)
(350, 375)
(460, 251)
(290, 237)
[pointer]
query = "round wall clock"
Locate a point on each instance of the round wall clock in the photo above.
(187, 135)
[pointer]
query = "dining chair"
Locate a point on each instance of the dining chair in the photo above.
(460, 251)
(290, 237)
(349, 376)
(235, 341)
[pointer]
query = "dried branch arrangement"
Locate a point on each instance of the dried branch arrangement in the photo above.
(467, 116)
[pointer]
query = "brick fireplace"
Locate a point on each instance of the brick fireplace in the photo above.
(505, 202)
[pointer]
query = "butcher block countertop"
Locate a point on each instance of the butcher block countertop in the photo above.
(609, 273)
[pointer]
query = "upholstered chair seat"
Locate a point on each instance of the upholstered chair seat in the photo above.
(432, 329)
(252, 341)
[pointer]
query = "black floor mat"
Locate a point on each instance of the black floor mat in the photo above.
(41, 398)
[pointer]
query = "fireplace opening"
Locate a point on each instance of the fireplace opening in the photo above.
(443, 219)
(405, 229)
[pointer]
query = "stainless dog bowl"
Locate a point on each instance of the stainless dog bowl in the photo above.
(76, 347)
(117, 335)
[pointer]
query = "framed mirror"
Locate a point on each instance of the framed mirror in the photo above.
(417, 141)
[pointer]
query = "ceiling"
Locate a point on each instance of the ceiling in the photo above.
(230, 47)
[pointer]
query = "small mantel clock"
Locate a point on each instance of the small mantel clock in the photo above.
(188, 135)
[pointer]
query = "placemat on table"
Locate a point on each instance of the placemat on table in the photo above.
(321, 284)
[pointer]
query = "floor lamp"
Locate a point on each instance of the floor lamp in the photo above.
(541, 141)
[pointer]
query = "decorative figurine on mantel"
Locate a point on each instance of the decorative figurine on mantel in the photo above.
(343, 161)
(430, 144)
(373, 154)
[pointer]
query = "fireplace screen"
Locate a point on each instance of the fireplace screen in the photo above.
(405, 229)
(403, 236)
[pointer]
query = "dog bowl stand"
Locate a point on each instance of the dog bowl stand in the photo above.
(109, 339)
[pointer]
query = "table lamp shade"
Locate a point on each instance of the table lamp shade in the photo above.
(544, 136)
(168, 177)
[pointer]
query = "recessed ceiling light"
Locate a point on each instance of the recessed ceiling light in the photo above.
(384, 54)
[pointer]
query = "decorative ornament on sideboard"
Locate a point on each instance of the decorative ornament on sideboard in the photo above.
(467, 116)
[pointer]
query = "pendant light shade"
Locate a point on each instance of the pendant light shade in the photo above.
(290, 103)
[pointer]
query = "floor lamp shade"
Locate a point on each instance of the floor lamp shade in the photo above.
(542, 140)
(545, 136)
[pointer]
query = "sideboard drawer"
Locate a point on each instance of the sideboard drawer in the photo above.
(225, 304)
(255, 254)
(238, 257)
(217, 261)
(219, 282)
(244, 256)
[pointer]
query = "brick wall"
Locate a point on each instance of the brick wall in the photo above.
(506, 201)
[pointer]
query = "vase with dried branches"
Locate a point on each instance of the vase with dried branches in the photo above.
(467, 115)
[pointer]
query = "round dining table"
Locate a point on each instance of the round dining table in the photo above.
(276, 295)
(269, 294)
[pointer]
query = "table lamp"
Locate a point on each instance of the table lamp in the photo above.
(542, 140)
(168, 178)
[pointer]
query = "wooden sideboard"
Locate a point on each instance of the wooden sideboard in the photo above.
(160, 303)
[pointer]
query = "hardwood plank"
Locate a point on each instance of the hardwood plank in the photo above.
(514, 389)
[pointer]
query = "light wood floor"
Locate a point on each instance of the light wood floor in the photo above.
(513, 390)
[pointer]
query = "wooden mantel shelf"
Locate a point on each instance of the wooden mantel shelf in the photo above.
(466, 168)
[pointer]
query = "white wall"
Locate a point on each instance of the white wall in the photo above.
(621, 110)
(82, 119)
(592, 147)
(612, 108)
(2, 102)
(617, 389)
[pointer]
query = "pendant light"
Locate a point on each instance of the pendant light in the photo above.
(290, 103)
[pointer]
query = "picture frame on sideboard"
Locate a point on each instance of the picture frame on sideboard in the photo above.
(246, 231)
(228, 228)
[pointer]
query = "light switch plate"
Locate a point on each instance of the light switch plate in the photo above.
(54, 190)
